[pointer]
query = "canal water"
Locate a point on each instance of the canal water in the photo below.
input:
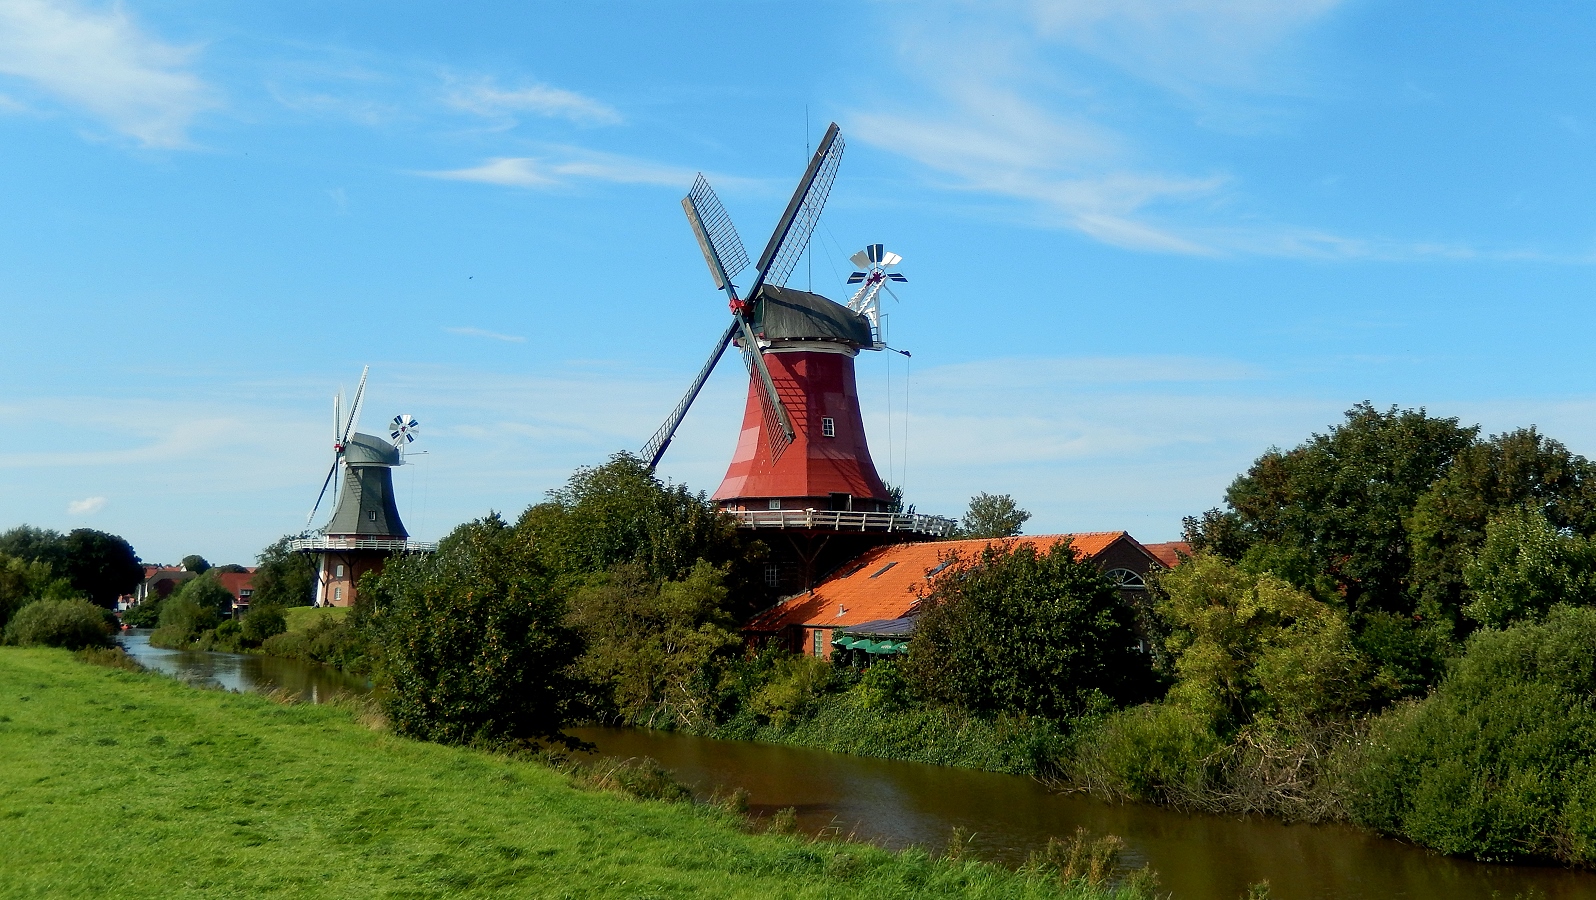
(898, 804)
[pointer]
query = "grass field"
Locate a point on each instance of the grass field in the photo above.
(122, 784)
(300, 618)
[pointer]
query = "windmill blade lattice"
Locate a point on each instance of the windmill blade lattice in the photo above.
(717, 236)
(803, 212)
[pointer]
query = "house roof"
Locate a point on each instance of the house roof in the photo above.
(1170, 552)
(882, 584)
(237, 581)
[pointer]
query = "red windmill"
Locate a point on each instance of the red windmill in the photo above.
(802, 463)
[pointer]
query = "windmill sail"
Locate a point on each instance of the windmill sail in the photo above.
(662, 438)
(803, 213)
(778, 426)
(717, 236)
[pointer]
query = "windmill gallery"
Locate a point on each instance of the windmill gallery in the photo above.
(801, 475)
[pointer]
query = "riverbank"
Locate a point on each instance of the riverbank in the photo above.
(205, 793)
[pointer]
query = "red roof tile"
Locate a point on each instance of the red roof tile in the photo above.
(1170, 552)
(881, 584)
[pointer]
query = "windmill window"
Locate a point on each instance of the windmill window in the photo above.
(775, 504)
(338, 593)
(772, 575)
(828, 426)
(340, 572)
(372, 515)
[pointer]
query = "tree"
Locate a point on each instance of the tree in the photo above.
(196, 564)
(22, 582)
(1526, 566)
(194, 608)
(992, 516)
(283, 578)
(652, 649)
(473, 642)
(1015, 629)
(1447, 526)
(621, 513)
(99, 565)
(1249, 645)
(1330, 515)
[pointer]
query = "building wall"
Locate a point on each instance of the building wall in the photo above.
(338, 574)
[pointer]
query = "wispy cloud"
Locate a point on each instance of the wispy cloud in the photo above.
(88, 506)
(565, 165)
(484, 97)
(103, 63)
(483, 333)
(1022, 113)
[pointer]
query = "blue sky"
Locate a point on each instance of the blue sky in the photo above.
(1145, 241)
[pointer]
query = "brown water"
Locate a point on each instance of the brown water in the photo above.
(243, 671)
(896, 804)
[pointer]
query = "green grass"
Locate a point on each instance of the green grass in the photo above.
(123, 784)
(301, 618)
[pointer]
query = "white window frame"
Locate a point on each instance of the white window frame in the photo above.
(338, 571)
(820, 645)
(775, 503)
(828, 426)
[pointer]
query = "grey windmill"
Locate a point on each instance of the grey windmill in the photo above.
(724, 253)
(365, 528)
(365, 507)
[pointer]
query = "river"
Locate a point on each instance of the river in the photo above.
(897, 804)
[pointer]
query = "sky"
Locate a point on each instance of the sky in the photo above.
(1145, 241)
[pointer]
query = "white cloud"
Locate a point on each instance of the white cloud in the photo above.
(86, 507)
(482, 333)
(565, 165)
(102, 62)
(484, 97)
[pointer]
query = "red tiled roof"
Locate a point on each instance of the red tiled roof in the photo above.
(881, 584)
(1170, 552)
(237, 581)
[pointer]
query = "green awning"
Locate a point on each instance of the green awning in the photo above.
(843, 641)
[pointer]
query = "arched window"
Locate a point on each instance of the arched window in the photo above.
(1125, 578)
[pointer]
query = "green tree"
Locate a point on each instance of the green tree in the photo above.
(1526, 566)
(1020, 630)
(1448, 523)
(473, 642)
(194, 608)
(1496, 763)
(261, 623)
(1331, 513)
(22, 582)
(1248, 646)
(992, 516)
(99, 565)
(654, 649)
(283, 578)
(196, 564)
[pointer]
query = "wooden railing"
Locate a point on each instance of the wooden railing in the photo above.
(338, 542)
(830, 520)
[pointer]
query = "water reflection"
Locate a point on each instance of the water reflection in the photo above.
(1197, 857)
(244, 671)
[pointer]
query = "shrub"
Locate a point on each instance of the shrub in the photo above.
(73, 624)
(794, 690)
(262, 622)
(1020, 630)
(472, 640)
(186, 614)
(1154, 752)
(1496, 764)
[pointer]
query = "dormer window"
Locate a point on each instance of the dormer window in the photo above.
(372, 515)
(828, 427)
(775, 504)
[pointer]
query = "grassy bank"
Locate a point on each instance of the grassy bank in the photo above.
(132, 785)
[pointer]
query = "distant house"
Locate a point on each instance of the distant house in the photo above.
(242, 586)
(872, 600)
(160, 581)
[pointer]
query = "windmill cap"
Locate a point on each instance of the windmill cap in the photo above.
(785, 314)
(370, 450)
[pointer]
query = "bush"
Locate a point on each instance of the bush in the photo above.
(1497, 763)
(262, 622)
(330, 640)
(1155, 752)
(188, 613)
(795, 686)
(73, 624)
(1019, 630)
(144, 615)
(473, 646)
